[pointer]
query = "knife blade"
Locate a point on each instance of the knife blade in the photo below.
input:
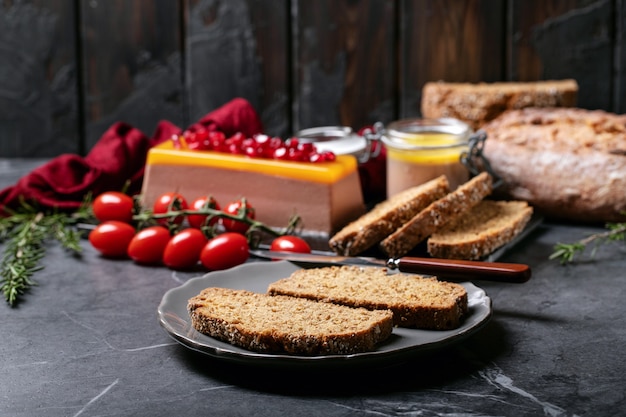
(445, 269)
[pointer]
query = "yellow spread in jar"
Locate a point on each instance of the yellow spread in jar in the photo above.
(420, 150)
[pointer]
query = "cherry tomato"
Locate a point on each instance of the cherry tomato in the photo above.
(170, 201)
(197, 220)
(290, 244)
(113, 205)
(183, 249)
(225, 251)
(236, 225)
(148, 245)
(111, 238)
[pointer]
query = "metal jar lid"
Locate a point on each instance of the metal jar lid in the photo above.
(342, 140)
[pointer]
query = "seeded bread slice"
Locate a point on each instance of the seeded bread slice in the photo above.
(416, 301)
(436, 215)
(386, 217)
(481, 230)
(280, 324)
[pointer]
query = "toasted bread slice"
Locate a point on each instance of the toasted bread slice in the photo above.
(386, 217)
(436, 215)
(280, 324)
(416, 301)
(481, 230)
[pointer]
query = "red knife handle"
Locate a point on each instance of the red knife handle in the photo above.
(448, 269)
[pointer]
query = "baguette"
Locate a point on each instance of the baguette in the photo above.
(477, 104)
(480, 231)
(262, 323)
(416, 301)
(386, 217)
(437, 215)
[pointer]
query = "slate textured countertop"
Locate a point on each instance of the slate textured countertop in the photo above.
(86, 342)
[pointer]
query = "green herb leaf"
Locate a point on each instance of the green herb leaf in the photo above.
(566, 252)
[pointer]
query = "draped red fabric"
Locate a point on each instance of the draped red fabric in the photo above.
(118, 156)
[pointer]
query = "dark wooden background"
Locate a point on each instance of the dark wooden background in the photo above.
(71, 68)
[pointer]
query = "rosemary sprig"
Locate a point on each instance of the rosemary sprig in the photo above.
(25, 231)
(566, 252)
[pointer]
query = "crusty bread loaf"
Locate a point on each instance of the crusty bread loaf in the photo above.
(567, 163)
(436, 215)
(479, 103)
(416, 301)
(263, 323)
(386, 217)
(484, 228)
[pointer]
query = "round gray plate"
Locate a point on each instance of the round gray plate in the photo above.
(256, 276)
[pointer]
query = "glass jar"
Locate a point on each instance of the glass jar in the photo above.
(419, 150)
(342, 140)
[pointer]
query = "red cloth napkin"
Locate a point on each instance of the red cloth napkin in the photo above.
(117, 157)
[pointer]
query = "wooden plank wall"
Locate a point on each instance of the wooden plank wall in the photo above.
(71, 68)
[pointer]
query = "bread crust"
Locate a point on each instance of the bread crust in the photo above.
(386, 217)
(416, 301)
(280, 324)
(479, 103)
(567, 163)
(437, 215)
(484, 228)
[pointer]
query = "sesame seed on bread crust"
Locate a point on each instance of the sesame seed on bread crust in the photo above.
(280, 324)
(436, 215)
(484, 228)
(416, 301)
(386, 217)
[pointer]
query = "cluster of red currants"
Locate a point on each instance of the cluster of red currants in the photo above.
(258, 146)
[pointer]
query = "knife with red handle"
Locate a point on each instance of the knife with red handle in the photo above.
(464, 270)
(445, 269)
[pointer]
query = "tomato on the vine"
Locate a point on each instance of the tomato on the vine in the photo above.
(225, 251)
(111, 238)
(197, 220)
(113, 205)
(170, 201)
(147, 245)
(183, 249)
(290, 243)
(234, 208)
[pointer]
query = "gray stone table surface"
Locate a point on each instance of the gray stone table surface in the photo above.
(86, 342)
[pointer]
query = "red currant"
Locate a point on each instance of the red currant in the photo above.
(258, 146)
